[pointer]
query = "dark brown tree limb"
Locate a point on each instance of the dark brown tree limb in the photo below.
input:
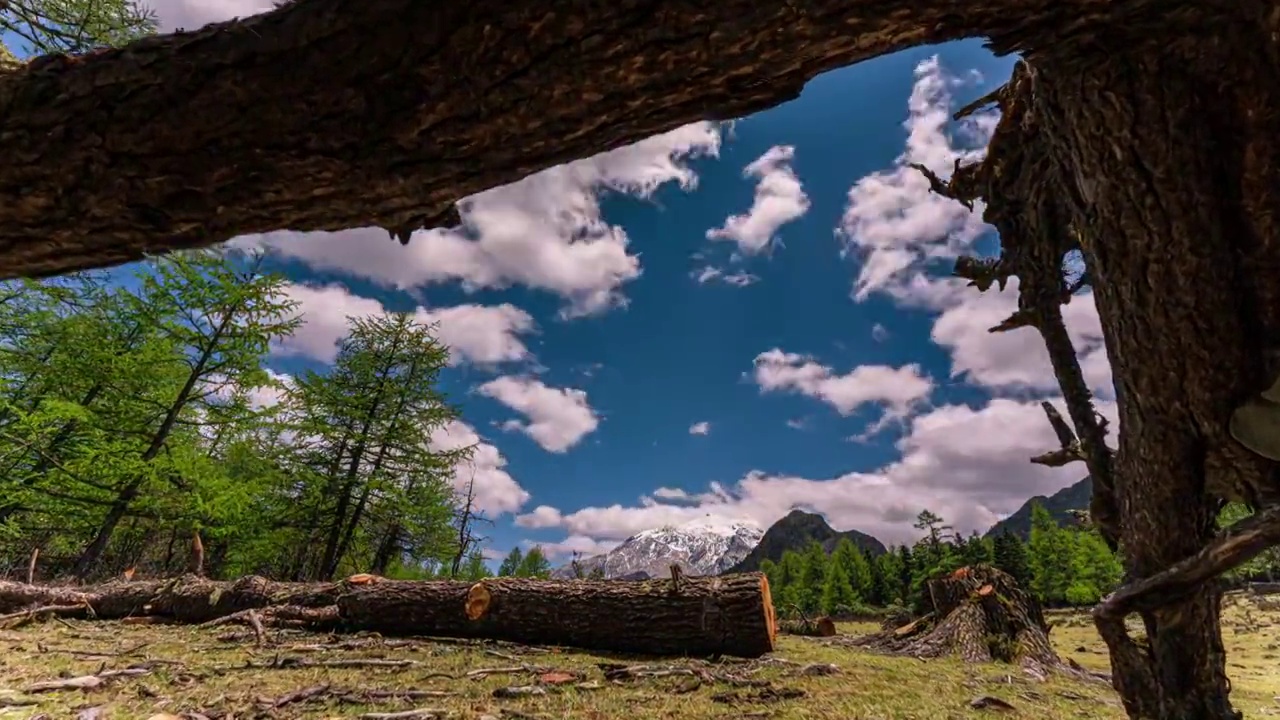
(332, 114)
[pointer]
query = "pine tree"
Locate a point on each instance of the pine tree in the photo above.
(1050, 557)
(534, 564)
(511, 563)
(474, 568)
(856, 570)
(838, 595)
(813, 577)
(1010, 555)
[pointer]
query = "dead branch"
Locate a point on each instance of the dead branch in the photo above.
(87, 682)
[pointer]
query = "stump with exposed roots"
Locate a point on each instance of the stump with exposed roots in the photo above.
(978, 613)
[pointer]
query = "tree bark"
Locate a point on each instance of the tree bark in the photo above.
(729, 615)
(186, 599)
(328, 115)
(1172, 186)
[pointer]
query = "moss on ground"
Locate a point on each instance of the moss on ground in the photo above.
(221, 671)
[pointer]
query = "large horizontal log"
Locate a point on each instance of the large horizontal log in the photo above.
(333, 114)
(730, 615)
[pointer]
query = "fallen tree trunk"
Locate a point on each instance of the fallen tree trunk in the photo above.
(328, 115)
(729, 615)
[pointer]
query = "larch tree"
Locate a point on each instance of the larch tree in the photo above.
(1119, 139)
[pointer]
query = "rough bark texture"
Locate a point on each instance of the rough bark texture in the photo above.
(979, 614)
(332, 114)
(1173, 190)
(188, 599)
(730, 615)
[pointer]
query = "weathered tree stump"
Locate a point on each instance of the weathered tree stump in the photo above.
(979, 614)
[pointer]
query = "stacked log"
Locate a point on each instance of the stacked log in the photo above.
(726, 615)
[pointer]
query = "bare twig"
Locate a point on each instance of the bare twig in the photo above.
(31, 566)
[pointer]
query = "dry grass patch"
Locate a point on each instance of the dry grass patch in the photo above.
(225, 673)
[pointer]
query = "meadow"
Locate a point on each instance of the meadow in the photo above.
(60, 668)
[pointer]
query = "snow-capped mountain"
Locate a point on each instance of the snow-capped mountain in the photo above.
(708, 546)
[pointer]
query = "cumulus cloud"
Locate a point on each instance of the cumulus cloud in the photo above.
(544, 232)
(700, 428)
(709, 273)
(969, 465)
(481, 334)
(574, 544)
(1017, 360)
(558, 418)
(892, 223)
(779, 199)
(496, 492)
(897, 228)
(897, 390)
(194, 14)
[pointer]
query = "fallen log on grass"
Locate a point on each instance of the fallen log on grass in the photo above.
(729, 615)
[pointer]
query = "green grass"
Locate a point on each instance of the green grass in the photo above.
(206, 670)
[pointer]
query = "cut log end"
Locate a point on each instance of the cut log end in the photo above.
(770, 615)
(478, 600)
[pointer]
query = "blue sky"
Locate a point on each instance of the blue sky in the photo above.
(629, 354)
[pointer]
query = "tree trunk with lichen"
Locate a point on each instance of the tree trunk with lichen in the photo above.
(729, 615)
(979, 614)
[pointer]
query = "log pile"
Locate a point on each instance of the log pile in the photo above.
(979, 614)
(726, 615)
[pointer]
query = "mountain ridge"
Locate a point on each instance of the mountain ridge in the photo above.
(794, 531)
(1059, 505)
(700, 547)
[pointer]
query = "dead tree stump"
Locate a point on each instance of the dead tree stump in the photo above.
(979, 614)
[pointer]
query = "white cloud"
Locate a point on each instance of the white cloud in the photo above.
(558, 417)
(897, 226)
(798, 423)
(495, 490)
(892, 222)
(740, 278)
(482, 334)
(969, 465)
(324, 311)
(195, 14)
(580, 544)
(779, 199)
(700, 428)
(543, 516)
(1017, 359)
(879, 332)
(545, 231)
(897, 390)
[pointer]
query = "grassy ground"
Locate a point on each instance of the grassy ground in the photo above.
(223, 673)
